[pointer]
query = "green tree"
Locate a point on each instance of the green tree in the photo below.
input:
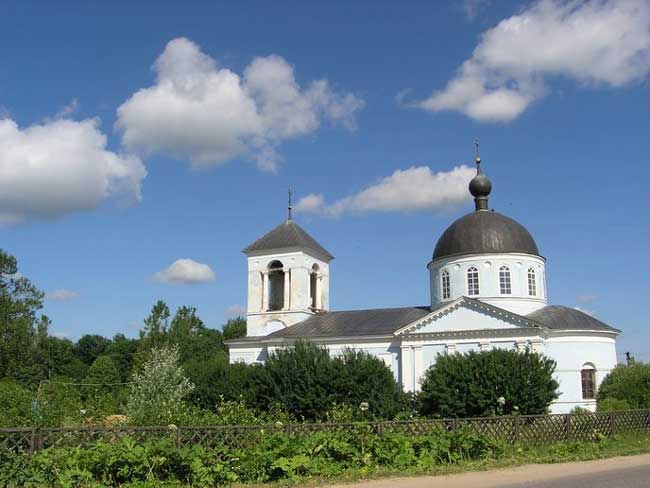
(15, 404)
(154, 333)
(157, 394)
(629, 384)
(234, 329)
(103, 394)
(19, 303)
(361, 378)
(299, 379)
(488, 383)
(126, 354)
(90, 347)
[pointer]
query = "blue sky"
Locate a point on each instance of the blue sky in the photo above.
(113, 166)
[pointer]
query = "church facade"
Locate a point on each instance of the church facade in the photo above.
(488, 290)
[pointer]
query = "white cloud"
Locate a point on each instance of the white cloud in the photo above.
(471, 8)
(185, 271)
(69, 109)
(61, 295)
(60, 335)
(596, 42)
(209, 114)
(415, 188)
(236, 311)
(58, 167)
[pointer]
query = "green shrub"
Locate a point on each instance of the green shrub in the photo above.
(486, 383)
(157, 393)
(629, 383)
(612, 405)
(275, 456)
(15, 405)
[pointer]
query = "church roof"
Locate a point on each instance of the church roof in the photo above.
(484, 232)
(287, 235)
(353, 323)
(557, 317)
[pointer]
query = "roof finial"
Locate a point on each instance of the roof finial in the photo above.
(480, 186)
(290, 206)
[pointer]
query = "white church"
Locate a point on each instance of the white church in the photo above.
(488, 290)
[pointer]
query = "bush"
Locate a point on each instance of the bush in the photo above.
(612, 405)
(276, 456)
(487, 383)
(15, 405)
(157, 393)
(306, 382)
(629, 383)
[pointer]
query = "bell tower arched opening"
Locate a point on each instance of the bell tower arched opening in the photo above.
(276, 286)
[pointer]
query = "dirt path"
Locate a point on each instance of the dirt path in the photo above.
(631, 471)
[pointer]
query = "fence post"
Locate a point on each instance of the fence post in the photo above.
(610, 419)
(178, 437)
(516, 429)
(567, 420)
(32, 441)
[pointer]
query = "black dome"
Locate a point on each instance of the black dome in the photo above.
(484, 232)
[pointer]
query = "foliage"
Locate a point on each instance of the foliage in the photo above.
(234, 328)
(612, 405)
(277, 456)
(57, 404)
(305, 381)
(19, 303)
(157, 392)
(15, 404)
(103, 394)
(629, 383)
(496, 382)
(90, 347)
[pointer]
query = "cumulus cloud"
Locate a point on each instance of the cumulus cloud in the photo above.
(185, 271)
(595, 42)
(208, 114)
(58, 167)
(415, 188)
(61, 295)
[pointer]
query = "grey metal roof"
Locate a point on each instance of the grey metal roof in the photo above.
(287, 235)
(353, 323)
(484, 232)
(557, 317)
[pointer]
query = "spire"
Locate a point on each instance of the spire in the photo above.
(480, 186)
(290, 206)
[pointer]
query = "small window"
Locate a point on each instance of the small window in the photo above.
(472, 281)
(588, 377)
(532, 283)
(446, 285)
(505, 284)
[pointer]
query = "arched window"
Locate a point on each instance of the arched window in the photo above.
(472, 281)
(445, 285)
(588, 379)
(313, 287)
(532, 282)
(505, 285)
(276, 285)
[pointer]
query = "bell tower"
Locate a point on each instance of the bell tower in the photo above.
(288, 278)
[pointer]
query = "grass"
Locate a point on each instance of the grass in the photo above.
(512, 456)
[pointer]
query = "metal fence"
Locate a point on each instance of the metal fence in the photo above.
(527, 429)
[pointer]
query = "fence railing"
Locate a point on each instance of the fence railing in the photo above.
(528, 429)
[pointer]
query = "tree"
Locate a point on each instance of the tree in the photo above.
(157, 393)
(124, 352)
(103, 393)
(154, 333)
(15, 404)
(488, 383)
(363, 378)
(234, 329)
(19, 302)
(90, 347)
(629, 384)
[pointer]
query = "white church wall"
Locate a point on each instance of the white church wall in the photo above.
(518, 301)
(464, 318)
(572, 353)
